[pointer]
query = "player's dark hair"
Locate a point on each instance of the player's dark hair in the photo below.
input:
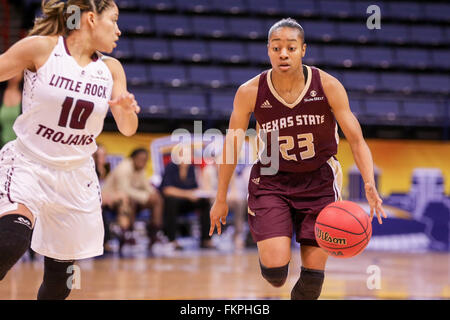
(55, 14)
(287, 23)
(137, 151)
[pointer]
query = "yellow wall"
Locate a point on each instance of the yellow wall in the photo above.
(116, 143)
(395, 158)
(398, 158)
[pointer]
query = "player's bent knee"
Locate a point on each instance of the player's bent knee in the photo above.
(15, 238)
(309, 285)
(275, 276)
(55, 285)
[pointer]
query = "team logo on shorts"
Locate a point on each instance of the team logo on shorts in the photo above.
(255, 180)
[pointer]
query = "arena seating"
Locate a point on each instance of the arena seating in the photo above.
(189, 57)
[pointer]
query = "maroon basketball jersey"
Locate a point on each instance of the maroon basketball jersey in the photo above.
(307, 129)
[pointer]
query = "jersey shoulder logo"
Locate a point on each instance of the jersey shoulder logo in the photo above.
(313, 97)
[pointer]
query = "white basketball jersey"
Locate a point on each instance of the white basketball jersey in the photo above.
(64, 106)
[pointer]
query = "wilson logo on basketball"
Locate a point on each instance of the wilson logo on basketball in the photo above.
(326, 237)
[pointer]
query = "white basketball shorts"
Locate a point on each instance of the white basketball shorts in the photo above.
(66, 203)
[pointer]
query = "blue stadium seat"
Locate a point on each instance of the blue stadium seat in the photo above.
(268, 7)
(231, 52)
(428, 34)
(175, 25)
(267, 24)
(222, 104)
(157, 5)
(257, 52)
(151, 103)
(393, 33)
(214, 27)
(398, 82)
(237, 76)
(440, 58)
(207, 76)
(154, 49)
(424, 111)
(313, 54)
(415, 58)
(340, 55)
(190, 50)
(337, 74)
(356, 80)
(136, 73)
(338, 8)
(376, 56)
(124, 48)
(382, 109)
(436, 83)
(127, 4)
(170, 75)
(356, 106)
(305, 8)
(246, 28)
(357, 32)
(360, 8)
(188, 105)
(134, 22)
(197, 6)
(320, 30)
(230, 6)
(404, 10)
(437, 11)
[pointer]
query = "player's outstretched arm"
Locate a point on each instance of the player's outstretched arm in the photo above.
(244, 102)
(338, 100)
(29, 53)
(123, 105)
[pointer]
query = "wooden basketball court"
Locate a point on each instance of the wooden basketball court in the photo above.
(195, 274)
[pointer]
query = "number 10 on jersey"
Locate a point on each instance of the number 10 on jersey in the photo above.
(80, 113)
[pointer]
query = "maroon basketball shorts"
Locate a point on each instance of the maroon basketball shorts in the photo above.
(290, 201)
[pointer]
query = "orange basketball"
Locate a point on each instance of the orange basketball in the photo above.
(343, 229)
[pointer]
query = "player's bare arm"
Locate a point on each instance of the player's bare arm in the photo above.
(338, 100)
(123, 104)
(29, 53)
(244, 103)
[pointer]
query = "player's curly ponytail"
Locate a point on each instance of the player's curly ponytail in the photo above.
(52, 20)
(56, 12)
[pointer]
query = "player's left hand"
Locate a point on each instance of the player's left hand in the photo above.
(127, 102)
(374, 202)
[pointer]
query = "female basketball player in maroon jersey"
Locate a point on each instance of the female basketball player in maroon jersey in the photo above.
(47, 175)
(297, 107)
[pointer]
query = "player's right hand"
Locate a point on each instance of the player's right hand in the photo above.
(374, 202)
(218, 216)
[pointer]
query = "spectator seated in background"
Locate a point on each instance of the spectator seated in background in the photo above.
(181, 195)
(10, 109)
(236, 199)
(116, 202)
(129, 178)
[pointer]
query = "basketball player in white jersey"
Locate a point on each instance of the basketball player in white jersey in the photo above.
(48, 183)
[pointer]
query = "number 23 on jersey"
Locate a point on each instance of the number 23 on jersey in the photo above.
(304, 140)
